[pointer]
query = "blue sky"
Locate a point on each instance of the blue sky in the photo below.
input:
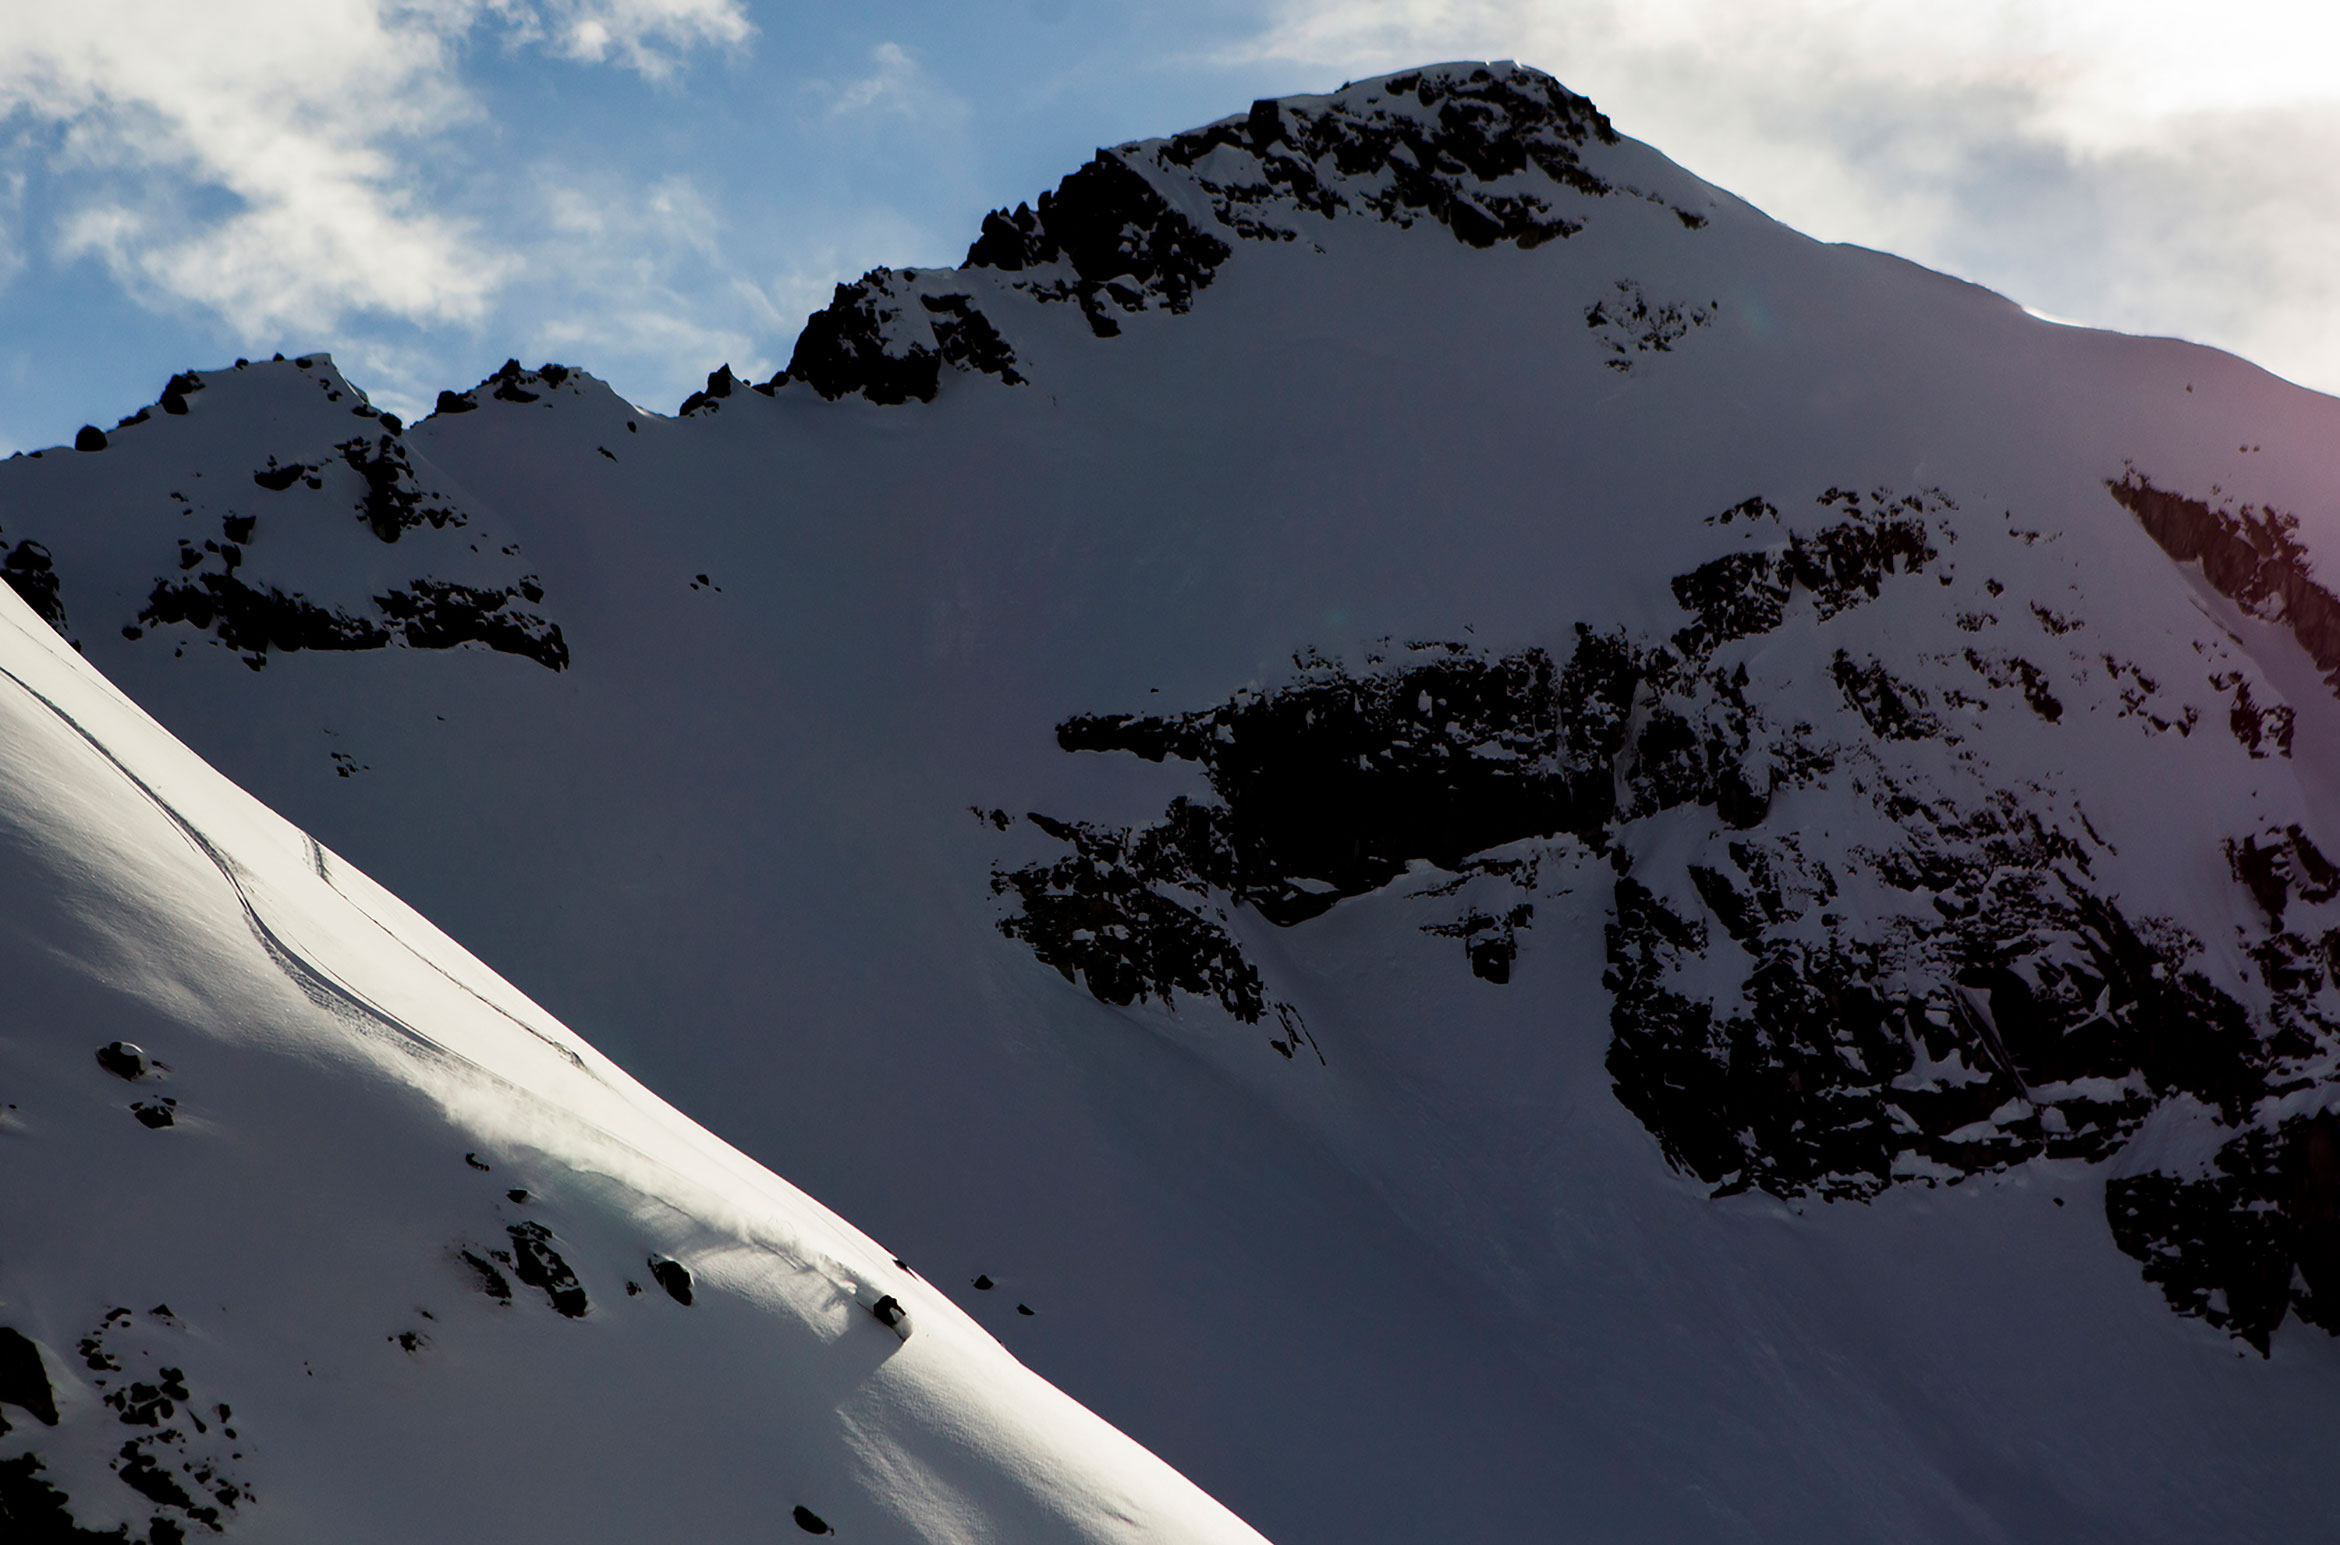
(650, 188)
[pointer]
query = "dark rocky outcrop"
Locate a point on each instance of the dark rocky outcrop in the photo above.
(1768, 1034)
(538, 1265)
(1629, 325)
(492, 1280)
(124, 1059)
(34, 1512)
(966, 338)
(1098, 916)
(1893, 709)
(1106, 222)
(24, 1383)
(140, 1404)
(673, 1276)
(721, 383)
(1448, 145)
(252, 620)
(178, 389)
(31, 572)
(1484, 152)
(392, 502)
(138, 1470)
(2252, 1239)
(843, 350)
(2251, 556)
(1333, 785)
(439, 614)
(277, 479)
(2013, 671)
(1843, 564)
(425, 614)
(1490, 943)
(511, 383)
(180, 1453)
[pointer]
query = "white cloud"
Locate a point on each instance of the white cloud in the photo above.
(11, 225)
(642, 287)
(897, 85)
(2156, 165)
(258, 158)
(644, 35)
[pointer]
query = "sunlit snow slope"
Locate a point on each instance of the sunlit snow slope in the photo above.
(1495, 851)
(343, 1238)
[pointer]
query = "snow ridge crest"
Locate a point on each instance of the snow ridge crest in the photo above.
(1493, 153)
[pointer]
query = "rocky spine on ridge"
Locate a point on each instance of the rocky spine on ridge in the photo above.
(1492, 153)
(510, 383)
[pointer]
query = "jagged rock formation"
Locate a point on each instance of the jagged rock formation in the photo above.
(1493, 154)
(2251, 556)
(228, 588)
(1984, 1002)
(31, 572)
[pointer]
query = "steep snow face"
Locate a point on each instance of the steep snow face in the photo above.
(1517, 846)
(318, 1229)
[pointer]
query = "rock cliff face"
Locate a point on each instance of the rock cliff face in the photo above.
(2251, 556)
(1940, 988)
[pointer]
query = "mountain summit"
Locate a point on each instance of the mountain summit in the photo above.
(1487, 847)
(1494, 154)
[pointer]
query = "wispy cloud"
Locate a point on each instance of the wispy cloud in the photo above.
(257, 159)
(896, 86)
(2154, 164)
(647, 276)
(644, 35)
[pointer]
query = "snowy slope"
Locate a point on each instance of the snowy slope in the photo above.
(1530, 855)
(361, 1244)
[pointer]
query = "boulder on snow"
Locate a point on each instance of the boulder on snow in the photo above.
(125, 1059)
(673, 1276)
(890, 1313)
(23, 1381)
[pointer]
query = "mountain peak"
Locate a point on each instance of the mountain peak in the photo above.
(1492, 153)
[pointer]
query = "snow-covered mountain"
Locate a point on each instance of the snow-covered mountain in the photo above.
(1531, 858)
(382, 1251)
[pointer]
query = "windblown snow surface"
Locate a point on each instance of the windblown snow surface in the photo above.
(319, 1230)
(1489, 848)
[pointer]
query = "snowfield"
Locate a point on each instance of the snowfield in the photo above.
(379, 1249)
